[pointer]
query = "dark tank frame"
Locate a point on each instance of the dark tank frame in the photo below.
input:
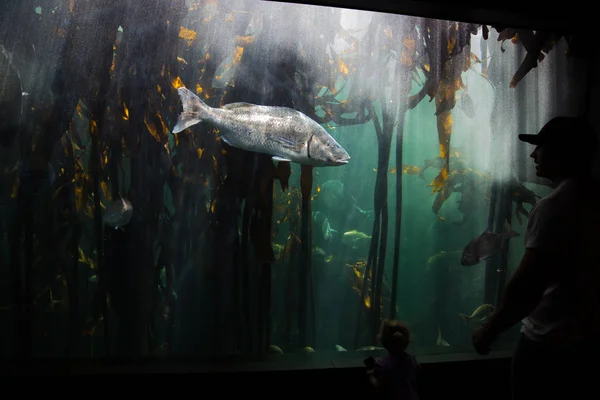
(464, 375)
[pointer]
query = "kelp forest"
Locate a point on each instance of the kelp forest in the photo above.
(123, 239)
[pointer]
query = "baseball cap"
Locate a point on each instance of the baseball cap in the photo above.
(565, 131)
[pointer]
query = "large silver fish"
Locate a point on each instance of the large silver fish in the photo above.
(283, 133)
(485, 245)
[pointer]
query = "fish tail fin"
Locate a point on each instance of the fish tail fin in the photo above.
(333, 235)
(333, 231)
(193, 110)
(422, 173)
(507, 231)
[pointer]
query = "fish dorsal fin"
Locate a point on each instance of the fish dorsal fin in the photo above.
(507, 230)
(121, 197)
(232, 106)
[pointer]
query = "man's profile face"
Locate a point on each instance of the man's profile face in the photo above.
(553, 160)
(546, 163)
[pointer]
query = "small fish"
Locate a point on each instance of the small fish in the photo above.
(437, 256)
(321, 221)
(281, 132)
(334, 193)
(437, 162)
(521, 195)
(352, 238)
(118, 214)
(277, 250)
(369, 214)
(162, 350)
(339, 348)
(307, 349)
(485, 245)
(467, 105)
(480, 315)
(371, 348)
(317, 251)
(440, 340)
(274, 349)
(408, 169)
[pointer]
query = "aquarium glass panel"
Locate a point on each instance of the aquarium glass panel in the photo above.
(211, 179)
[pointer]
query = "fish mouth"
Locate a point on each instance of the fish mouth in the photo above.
(342, 160)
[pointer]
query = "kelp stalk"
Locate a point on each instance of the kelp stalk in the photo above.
(305, 259)
(404, 67)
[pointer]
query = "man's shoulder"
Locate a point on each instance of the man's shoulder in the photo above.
(543, 207)
(576, 201)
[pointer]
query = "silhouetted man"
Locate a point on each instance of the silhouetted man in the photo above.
(555, 290)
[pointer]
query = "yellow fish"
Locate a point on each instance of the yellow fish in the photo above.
(480, 314)
(351, 238)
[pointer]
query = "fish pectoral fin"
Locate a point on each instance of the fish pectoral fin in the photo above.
(277, 158)
(240, 104)
(224, 138)
(286, 142)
